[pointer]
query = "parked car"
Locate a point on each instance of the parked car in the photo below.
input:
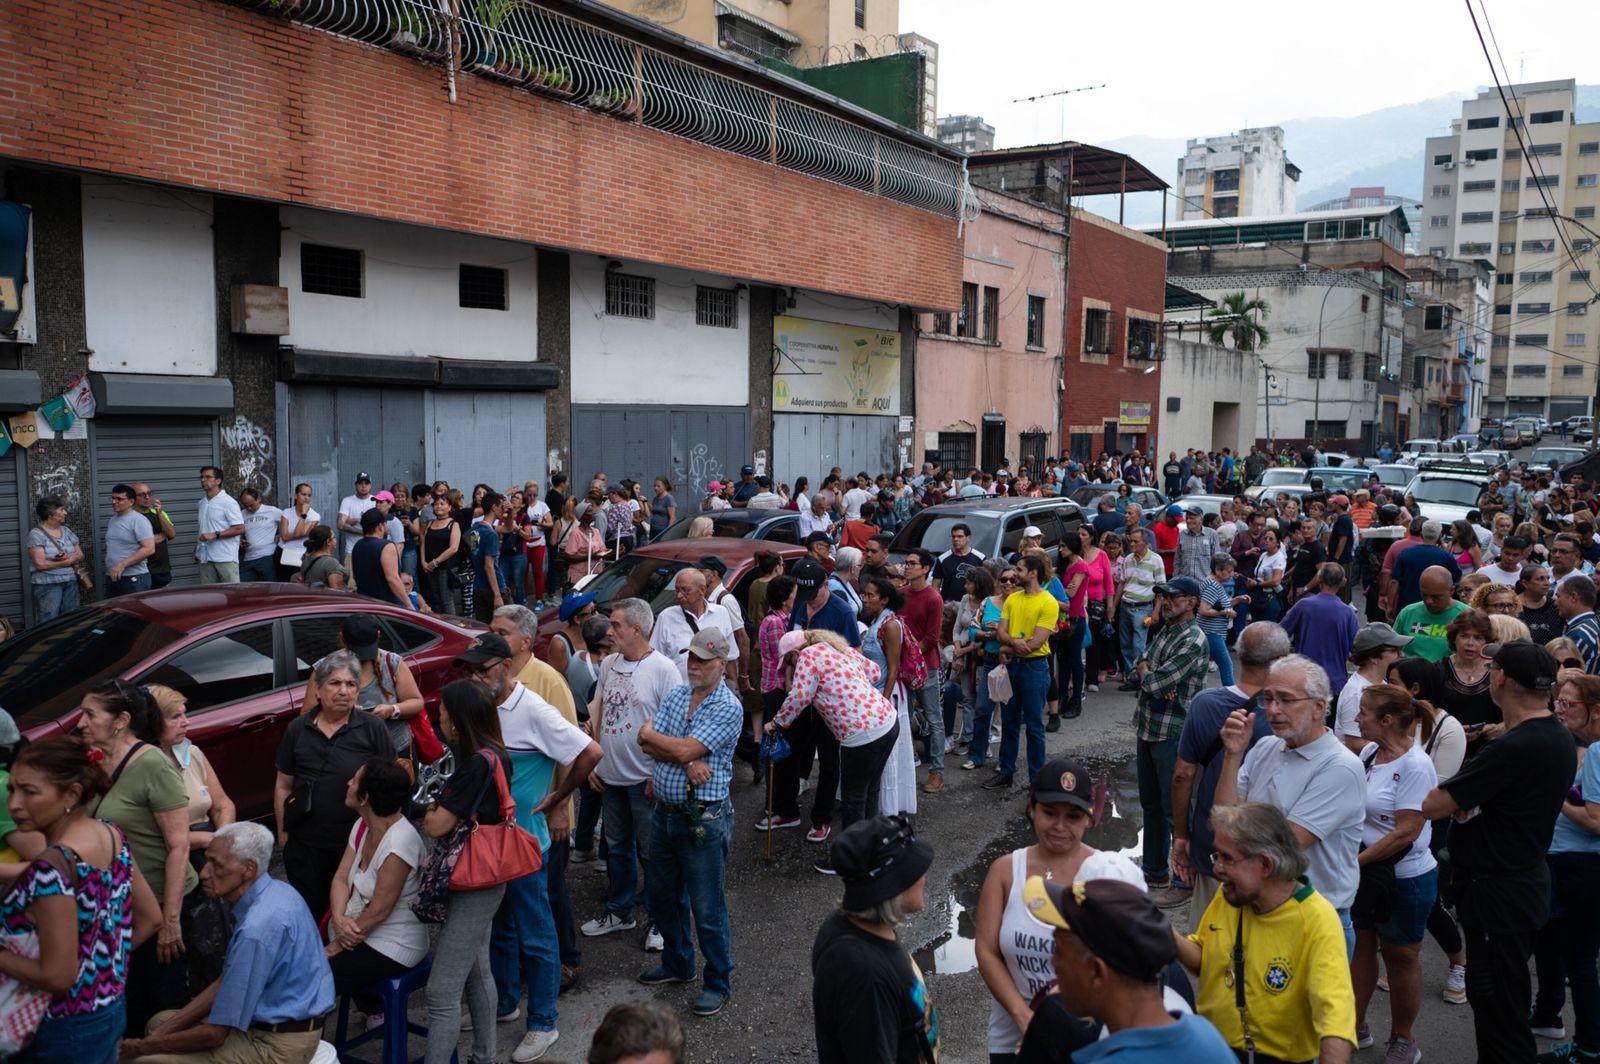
(1509, 438)
(1151, 501)
(996, 523)
(1580, 428)
(240, 654)
(1446, 495)
(1346, 479)
(1393, 474)
(1275, 475)
(1465, 442)
(1209, 504)
(650, 572)
(1271, 491)
(1493, 459)
(1529, 429)
(777, 526)
(1542, 457)
(1414, 449)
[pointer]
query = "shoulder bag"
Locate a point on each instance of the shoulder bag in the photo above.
(496, 853)
(1376, 895)
(424, 741)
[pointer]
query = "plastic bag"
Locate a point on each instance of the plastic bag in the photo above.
(22, 1007)
(1000, 685)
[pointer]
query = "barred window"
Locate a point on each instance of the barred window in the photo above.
(330, 271)
(482, 288)
(717, 307)
(629, 296)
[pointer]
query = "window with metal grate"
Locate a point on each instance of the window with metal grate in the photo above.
(330, 271)
(717, 307)
(629, 296)
(483, 288)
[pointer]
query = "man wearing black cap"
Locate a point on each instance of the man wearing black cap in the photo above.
(1111, 945)
(746, 489)
(1171, 672)
(868, 996)
(819, 547)
(1505, 802)
(351, 507)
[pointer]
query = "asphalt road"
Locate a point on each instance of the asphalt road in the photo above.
(777, 905)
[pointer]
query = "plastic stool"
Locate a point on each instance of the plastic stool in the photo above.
(397, 1026)
(325, 1054)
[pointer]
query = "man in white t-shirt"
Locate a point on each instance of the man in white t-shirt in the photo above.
(351, 507)
(261, 524)
(855, 497)
(1507, 569)
(765, 498)
(677, 625)
(629, 690)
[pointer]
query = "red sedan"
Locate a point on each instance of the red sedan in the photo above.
(240, 654)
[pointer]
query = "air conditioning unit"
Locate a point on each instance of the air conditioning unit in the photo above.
(1469, 162)
(1449, 166)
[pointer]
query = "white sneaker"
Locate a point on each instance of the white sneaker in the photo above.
(534, 1044)
(1212, 667)
(1093, 687)
(1455, 987)
(949, 745)
(511, 1017)
(604, 924)
(805, 785)
(653, 942)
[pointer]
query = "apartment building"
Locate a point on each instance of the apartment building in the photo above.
(1239, 175)
(969, 133)
(1519, 191)
(806, 33)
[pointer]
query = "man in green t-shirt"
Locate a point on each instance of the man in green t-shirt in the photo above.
(1427, 620)
(1027, 619)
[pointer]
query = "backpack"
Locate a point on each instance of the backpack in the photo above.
(913, 664)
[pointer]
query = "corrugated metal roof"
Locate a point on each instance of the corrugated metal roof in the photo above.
(720, 8)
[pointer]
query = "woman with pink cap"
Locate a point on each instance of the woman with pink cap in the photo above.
(833, 678)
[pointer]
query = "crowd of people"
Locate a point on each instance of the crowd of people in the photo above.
(1355, 728)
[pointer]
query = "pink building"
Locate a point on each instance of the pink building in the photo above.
(989, 377)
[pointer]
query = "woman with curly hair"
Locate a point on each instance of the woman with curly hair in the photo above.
(1496, 599)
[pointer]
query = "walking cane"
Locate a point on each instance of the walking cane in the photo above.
(774, 748)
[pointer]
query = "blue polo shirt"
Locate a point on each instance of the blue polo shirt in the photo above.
(835, 616)
(1188, 1038)
(275, 969)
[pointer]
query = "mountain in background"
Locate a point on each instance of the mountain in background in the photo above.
(1380, 148)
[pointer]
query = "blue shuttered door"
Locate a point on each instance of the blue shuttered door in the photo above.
(689, 445)
(337, 431)
(808, 445)
(497, 438)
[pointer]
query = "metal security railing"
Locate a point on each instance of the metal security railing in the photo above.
(555, 55)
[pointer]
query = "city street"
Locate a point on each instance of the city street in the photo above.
(776, 907)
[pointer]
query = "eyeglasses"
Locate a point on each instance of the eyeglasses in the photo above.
(1500, 607)
(1283, 698)
(1568, 703)
(1222, 860)
(1008, 579)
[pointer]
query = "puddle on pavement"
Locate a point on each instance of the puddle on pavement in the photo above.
(1117, 828)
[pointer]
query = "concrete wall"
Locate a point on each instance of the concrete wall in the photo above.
(665, 360)
(1216, 390)
(147, 279)
(410, 302)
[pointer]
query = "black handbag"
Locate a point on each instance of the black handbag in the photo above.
(1379, 888)
(297, 807)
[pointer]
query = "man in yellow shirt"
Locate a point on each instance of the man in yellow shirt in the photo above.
(1288, 997)
(1026, 622)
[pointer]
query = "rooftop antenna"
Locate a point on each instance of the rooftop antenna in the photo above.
(1063, 93)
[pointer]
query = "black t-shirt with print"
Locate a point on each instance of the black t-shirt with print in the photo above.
(869, 999)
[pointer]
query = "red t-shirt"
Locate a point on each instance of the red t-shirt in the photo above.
(1166, 542)
(923, 614)
(856, 534)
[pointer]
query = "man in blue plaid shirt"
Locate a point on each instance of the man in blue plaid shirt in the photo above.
(1171, 672)
(692, 741)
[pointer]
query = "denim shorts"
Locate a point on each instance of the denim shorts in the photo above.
(1408, 921)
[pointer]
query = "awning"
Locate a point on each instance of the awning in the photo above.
(721, 9)
(299, 366)
(1179, 298)
(159, 394)
(20, 390)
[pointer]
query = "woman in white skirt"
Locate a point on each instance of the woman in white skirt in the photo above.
(881, 641)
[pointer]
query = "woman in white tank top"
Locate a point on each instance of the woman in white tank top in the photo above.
(1014, 948)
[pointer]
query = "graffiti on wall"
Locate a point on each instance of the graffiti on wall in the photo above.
(60, 481)
(704, 467)
(251, 449)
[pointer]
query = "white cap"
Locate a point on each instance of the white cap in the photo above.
(1032, 530)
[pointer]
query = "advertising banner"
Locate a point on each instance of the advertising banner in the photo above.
(1134, 414)
(826, 368)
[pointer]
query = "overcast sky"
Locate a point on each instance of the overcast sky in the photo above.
(1168, 72)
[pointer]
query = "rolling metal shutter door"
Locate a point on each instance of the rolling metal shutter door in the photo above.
(165, 454)
(493, 437)
(14, 525)
(808, 445)
(337, 431)
(690, 445)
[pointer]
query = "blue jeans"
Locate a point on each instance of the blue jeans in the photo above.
(88, 1039)
(686, 878)
(409, 561)
(1030, 679)
(257, 569)
(626, 820)
(983, 714)
(524, 940)
(927, 697)
(127, 585)
(954, 697)
(1219, 654)
(1131, 627)
(1241, 617)
(52, 600)
(1155, 762)
(1349, 933)
(513, 571)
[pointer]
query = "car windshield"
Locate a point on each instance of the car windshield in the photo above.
(638, 576)
(1341, 480)
(1395, 476)
(45, 671)
(1089, 496)
(1543, 456)
(734, 524)
(1447, 491)
(1422, 446)
(1283, 476)
(932, 531)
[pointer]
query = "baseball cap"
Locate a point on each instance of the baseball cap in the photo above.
(486, 648)
(808, 576)
(818, 536)
(747, 469)
(1032, 530)
(1116, 921)
(1175, 510)
(1064, 781)
(360, 633)
(709, 644)
(1377, 634)
(715, 485)
(1527, 663)
(573, 603)
(1341, 499)
(789, 642)
(383, 496)
(1179, 585)
(1194, 511)
(878, 859)
(714, 563)
(363, 476)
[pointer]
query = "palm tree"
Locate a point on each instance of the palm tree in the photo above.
(1234, 319)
